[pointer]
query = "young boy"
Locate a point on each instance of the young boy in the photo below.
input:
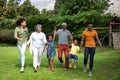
(73, 53)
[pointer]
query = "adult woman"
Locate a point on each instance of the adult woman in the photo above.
(37, 44)
(21, 35)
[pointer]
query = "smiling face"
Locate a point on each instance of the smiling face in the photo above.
(23, 24)
(50, 38)
(75, 42)
(90, 27)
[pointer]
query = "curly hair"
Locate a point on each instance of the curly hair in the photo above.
(19, 21)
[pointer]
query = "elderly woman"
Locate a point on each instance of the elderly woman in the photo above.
(21, 35)
(37, 43)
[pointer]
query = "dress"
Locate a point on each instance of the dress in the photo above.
(51, 49)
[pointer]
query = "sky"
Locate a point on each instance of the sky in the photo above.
(49, 5)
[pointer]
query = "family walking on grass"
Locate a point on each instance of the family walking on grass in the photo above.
(39, 42)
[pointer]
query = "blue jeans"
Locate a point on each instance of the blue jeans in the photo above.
(89, 51)
(70, 56)
(21, 49)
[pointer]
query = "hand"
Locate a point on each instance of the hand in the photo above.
(46, 46)
(19, 39)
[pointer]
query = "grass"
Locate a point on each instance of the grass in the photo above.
(106, 67)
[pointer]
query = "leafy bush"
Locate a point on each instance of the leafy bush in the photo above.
(7, 36)
(7, 24)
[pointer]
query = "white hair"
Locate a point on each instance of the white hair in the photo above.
(64, 24)
(38, 25)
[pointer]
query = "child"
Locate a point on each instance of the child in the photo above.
(51, 51)
(74, 50)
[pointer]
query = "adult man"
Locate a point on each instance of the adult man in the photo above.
(89, 36)
(63, 36)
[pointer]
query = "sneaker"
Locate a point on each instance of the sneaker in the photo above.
(22, 69)
(85, 69)
(35, 69)
(90, 73)
(70, 65)
(75, 66)
(66, 69)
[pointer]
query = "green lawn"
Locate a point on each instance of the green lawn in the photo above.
(106, 67)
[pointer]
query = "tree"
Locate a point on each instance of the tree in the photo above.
(11, 10)
(78, 12)
(2, 8)
(64, 7)
(26, 9)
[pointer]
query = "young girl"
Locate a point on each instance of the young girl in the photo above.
(73, 53)
(51, 50)
(37, 44)
(21, 35)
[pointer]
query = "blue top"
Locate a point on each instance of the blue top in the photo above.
(51, 48)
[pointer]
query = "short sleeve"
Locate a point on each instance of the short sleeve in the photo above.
(83, 34)
(69, 34)
(96, 34)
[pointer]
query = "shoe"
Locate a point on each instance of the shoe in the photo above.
(85, 69)
(75, 66)
(90, 73)
(66, 69)
(22, 69)
(35, 69)
(70, 65)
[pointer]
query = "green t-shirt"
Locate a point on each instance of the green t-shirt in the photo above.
(19, 33)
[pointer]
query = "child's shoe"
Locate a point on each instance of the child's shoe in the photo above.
(70, 65)
(75, 66)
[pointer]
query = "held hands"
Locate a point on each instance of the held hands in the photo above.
(46, 46)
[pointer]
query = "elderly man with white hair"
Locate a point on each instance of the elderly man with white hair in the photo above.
(63, 36)
(37, 43)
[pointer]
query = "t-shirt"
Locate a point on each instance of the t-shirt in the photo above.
(21, 34)
(38, 39)
(90, 38)
(74, 49)
(63, 36)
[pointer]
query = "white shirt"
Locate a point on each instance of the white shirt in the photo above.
(37, 39)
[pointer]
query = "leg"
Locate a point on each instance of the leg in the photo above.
(52, 64)
(40, 52)
(23, 53)
(69, 59)
(66, 52)
(92, 53)
(49, 67)
(86, 53)
(35, 57)
(60, 50)
(75, 61)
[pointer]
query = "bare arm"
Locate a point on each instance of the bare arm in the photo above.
(82, 42)
(99, 43)
(54, 35)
